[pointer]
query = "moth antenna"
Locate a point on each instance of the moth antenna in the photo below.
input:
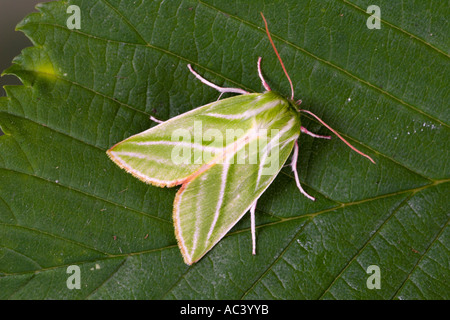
(264, 83)
(220, 96)
(338, 135)
(278, 55)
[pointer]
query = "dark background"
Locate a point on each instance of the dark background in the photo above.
(11, 41)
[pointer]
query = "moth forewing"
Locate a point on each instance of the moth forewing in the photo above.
(155, 156)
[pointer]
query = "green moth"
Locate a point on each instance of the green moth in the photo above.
(221, 178)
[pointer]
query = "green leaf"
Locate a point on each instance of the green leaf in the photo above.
(63, 202)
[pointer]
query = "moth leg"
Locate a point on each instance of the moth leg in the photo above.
(264, 83)
(294, 169)
(252, 223)
(220, 96)
(214, 86)
(155, 120)
(309, 133)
